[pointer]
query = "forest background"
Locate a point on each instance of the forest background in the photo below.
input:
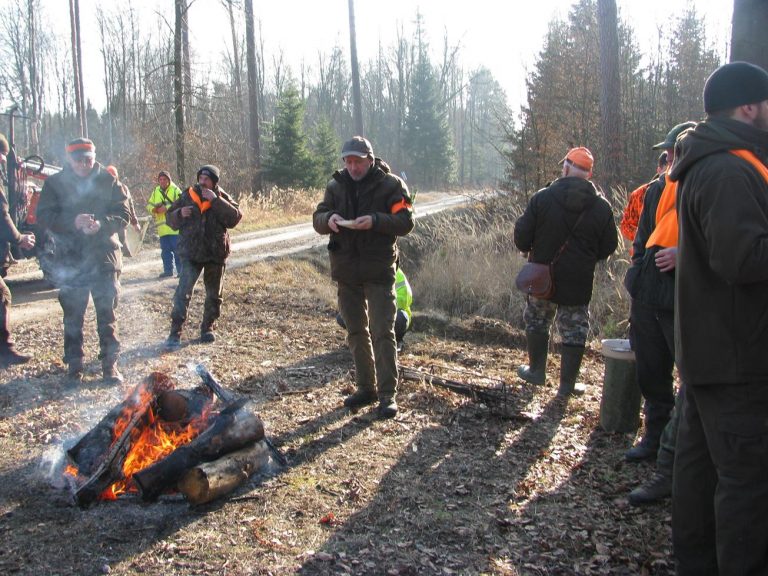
(275, 131)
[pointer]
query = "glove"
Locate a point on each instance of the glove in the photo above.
(159, 210)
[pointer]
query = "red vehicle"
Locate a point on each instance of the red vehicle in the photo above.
(23, 179)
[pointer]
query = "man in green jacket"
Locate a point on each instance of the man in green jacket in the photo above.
(165, 194)
(365, 209)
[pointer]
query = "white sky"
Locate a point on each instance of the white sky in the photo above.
(503, 35)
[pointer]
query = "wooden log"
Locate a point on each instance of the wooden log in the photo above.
(237, 426)
(211, 480)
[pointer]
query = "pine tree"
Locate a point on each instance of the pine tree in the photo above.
(326, 151)
(289, 162)
(427, 143)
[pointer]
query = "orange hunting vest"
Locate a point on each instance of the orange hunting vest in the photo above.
(665, 233)
(202, 204)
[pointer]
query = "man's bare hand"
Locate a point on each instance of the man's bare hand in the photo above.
(363, 223)
(27, 241)
(209, 194)
(83, 221)
(94, 227)
(332, 222)
(186, 211)
(666, 259)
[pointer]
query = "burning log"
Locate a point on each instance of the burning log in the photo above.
(235, 427)
(208, 481)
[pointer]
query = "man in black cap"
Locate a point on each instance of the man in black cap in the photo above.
(8, 235)
(365, 209)
(202, 215)
(720, 485)
(84, 207)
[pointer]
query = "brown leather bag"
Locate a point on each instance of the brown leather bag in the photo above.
(536, 280)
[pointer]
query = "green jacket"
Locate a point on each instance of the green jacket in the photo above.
(359, 256)
(163, 198)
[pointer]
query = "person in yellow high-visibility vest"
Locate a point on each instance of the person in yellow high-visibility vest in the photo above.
(403, 318)
(165, 194)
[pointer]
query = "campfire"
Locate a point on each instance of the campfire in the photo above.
(202, 442)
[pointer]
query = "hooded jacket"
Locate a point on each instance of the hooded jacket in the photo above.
(721, 305)
(203, 236)
(548, 220)
(80, 257)
(359, 256)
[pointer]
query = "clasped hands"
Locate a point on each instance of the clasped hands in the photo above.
(87, 224)
(359, 223)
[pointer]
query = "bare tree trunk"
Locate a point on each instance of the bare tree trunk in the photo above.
(235, 55)
(178, 88)
(187, 95)
(83, 99)
(610, 91)
(74, 27)
(748, 39)
(254, 135)
(356, 98)
(36, 105)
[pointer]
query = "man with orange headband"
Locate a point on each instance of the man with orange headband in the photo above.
(202, 215)
(85, 207)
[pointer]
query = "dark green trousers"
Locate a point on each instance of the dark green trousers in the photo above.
(368, 310)
(213, 279)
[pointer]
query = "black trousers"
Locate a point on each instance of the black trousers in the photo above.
(652, 332)
(720, 485)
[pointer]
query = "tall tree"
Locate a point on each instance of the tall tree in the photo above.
(749, 41)
(427, 135)
(178, 86)
(254, 135)
(610, 88)
(77, 70)
(356, 97)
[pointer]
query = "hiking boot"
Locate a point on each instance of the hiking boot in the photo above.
(387, 408)
(538, 347)
(165, 275)
(111, 375)
(74, 373)
(360, 398)
(400, 346)
(207, 337)
(641, 452)
(9, 357)
(173, 341)
(658, 488)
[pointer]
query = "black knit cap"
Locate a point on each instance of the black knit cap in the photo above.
(211, 171)
(735, 84)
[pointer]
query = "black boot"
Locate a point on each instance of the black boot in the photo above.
(9, 356)
(538, 346)
(174, 336)
(362, 397)
(570, 363)
(658, 488)
(656, 418)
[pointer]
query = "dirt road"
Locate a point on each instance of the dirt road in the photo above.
(34, 298)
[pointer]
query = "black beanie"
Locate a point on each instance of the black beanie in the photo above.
(735, 84)
(211, 171)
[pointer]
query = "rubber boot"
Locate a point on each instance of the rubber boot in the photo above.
(9, 356)
(570, 363)
(538, 346)
(656, 418)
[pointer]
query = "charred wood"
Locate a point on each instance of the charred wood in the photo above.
(235, 427)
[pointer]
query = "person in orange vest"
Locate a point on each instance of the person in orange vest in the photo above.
(650, 281)
(720, 484)
(203, 215)
(634, 207)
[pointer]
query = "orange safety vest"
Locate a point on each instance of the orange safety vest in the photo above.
(665, 232)
(202, 204)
